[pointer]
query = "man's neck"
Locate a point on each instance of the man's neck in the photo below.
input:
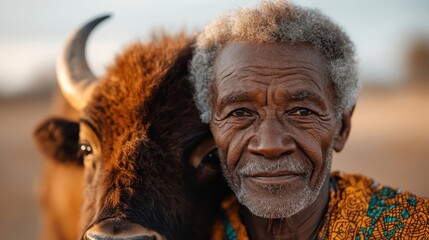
(303, 225)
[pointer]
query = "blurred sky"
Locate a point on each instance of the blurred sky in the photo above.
(32, 32)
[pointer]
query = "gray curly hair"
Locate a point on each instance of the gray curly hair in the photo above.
(277, 21)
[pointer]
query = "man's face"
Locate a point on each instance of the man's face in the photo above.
(274, 124)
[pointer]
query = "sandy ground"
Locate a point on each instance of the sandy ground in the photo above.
(389, 142)
(19, 167)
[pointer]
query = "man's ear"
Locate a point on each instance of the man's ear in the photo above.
(343, 134)
(58, 139)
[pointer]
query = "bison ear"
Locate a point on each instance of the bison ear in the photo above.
(58, 139)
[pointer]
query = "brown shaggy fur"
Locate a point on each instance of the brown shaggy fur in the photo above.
(145, 116)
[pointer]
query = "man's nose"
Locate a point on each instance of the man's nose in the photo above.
(271, 140)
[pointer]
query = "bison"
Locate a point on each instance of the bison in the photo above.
(148, 165)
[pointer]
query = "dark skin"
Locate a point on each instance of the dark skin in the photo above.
(274, 102)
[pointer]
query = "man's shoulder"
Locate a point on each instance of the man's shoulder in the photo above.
(354, 185)
(361, 208)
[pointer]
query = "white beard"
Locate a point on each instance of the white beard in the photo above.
(278, 201)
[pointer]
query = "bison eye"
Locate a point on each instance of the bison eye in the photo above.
(209, 168)
(85, 149)
(211, 158)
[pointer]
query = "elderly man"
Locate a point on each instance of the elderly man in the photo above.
(278, 84)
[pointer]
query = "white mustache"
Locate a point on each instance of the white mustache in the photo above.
(255, 166)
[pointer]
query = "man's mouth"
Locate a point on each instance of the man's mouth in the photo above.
(274, 178)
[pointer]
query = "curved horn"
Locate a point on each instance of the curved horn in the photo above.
(74, 77)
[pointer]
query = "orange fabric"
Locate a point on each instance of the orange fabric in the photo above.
(231, 208)
(358, 209)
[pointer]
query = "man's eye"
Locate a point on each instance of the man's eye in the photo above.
(240, 113)
(85, 149)
(301, 112)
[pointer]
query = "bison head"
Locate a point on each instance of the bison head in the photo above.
(150, 165)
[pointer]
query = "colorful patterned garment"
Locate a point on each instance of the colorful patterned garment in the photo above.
(358, 209)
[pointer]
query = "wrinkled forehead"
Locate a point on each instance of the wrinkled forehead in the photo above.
(238, 54)
(244, 64)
